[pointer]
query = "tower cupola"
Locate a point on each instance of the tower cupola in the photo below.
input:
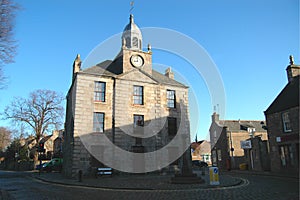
(132, 36)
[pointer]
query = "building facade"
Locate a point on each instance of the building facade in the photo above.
(123, 103)
(226, 137)
(257, 154)
(282, 118)
(201, 150)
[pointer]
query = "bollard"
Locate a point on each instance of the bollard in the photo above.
(80, 176)
(214, 176)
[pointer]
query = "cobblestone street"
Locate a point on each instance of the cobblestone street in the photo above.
(24, 186)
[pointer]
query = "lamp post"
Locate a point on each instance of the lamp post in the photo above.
(231, 147)
(231, 159)
(251, 132)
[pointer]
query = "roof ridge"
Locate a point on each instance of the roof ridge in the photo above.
(244, 120)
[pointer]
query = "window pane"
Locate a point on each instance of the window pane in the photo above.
(99, 92)
(137, 100)
(138, 120)
(171, 98)
(98, 122)
(138, 95)
(286, 122)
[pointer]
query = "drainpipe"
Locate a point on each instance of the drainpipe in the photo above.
(113, 109)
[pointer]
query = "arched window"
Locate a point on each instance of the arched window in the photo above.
(135, 42)
(128, 42)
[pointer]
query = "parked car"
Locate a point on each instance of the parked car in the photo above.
(53, 165)
(199, 163)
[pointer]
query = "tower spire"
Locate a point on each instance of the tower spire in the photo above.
(131, 19)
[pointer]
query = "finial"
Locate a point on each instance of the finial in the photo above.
(168, 70)
(149, 48)
(131, 19)
(77, 57)
(291, 59)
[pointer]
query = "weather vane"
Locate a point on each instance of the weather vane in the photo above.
(131, 6)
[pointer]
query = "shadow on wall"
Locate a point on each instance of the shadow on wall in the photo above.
(139, 147)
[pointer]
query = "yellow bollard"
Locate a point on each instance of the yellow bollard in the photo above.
(214, 176)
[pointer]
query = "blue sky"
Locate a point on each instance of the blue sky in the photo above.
(249, 41)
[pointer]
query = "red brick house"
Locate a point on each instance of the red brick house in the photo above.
(282, 118)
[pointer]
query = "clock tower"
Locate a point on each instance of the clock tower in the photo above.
(124, 103)
(132, 55)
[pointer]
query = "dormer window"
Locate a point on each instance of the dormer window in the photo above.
(250, 130)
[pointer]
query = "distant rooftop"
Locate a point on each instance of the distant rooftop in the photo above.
(242, 125)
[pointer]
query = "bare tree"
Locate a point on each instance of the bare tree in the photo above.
(7, 43)
(5, 138)
(42, 111)
(3, 79)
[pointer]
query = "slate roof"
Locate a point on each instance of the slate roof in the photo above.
(203, 145)
(100, 69)
(287, 98)
(242, 125)
(165, 80)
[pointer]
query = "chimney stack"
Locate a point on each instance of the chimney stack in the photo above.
(169, 73)
(292, 70)
(215, 117)
(76, 65)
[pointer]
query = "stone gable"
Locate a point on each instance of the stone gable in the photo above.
(138, 76)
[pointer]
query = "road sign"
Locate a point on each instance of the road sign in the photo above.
(214, 176)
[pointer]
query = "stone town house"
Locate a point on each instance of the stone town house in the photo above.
(51, 145)
(282, 118)
(124, 103)
(226, 137)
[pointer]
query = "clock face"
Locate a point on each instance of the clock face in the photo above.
(136, 60)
